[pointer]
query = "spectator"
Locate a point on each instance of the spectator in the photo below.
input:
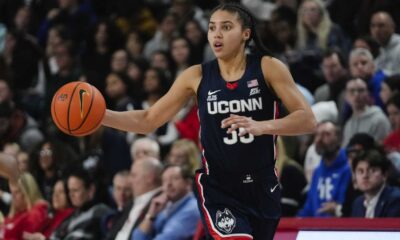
(197, 38)
(336, 75)
(362, 66)
(117, 90)
(367, 42)
(331, 178)
(145, 147)
(28, 209)
(389, 87)
(61, 209)
(23, 161)
(81, 191)
(181, 55)
(163, 35)
(379, 199)
(49, 162)
(365, 118)
(392, 141)
(186, 10)
(17, 126)
(382, 28)
(184, 152)
(122, 191)
(292, 180)
(5, 92)
(145, 183)
(316, 31)
(174, 214)
(119, 61)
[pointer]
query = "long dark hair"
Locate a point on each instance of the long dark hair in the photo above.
(248, 21)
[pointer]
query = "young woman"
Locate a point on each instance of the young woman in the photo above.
(237, 95)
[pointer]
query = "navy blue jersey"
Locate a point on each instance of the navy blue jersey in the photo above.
(249, 96)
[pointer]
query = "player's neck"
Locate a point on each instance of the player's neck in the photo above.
(232, 69)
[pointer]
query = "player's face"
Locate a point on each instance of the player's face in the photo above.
(368, 178)
(59, 198)
(226, 35)
(174, 185)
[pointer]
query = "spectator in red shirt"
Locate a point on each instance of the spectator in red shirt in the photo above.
(28, 210)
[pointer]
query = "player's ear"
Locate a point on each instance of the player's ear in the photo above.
(246, 34)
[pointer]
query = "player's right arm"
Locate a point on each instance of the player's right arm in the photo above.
(145, 121)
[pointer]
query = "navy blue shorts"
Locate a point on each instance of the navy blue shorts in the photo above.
(240, 206)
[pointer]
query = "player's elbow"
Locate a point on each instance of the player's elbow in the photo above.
(311, 123)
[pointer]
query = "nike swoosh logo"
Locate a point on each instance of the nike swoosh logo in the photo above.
(213, 92)
(273, 189)
(81, 93)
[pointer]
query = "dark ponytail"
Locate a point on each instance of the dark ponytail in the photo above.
(248, 21)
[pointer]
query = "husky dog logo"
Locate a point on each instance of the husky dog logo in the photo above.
(225, 221)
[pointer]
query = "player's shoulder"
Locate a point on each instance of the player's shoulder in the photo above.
(272, 63)
(190, 77)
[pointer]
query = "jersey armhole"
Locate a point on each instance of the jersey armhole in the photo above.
(271, 90)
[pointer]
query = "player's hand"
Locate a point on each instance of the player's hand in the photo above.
(246, 125)
(328, 207)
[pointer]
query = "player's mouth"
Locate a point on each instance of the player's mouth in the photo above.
(218, 46)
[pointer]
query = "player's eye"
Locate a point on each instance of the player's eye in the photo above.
(226, 27)
(211, 28)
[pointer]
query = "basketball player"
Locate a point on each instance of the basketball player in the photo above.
(237, 190)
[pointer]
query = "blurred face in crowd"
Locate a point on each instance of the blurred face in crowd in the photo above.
(369, 179)
(326, 140)
(22, 18)
(64, 4)
(311, 14)
(78, 194)
(23, 161)
(332, 68)
(177, 156)
(382, 27)
(59, 198)
(122, 190)
(357, 94)
(193, 32)
(63, 57)
(151, 81)
(119, 61)
(134, 43)
(101, 35)
(160, 61)
(142, 149)
(361, 67)
(115, 87)
(168, 25)
(46, 157)
(180, 51)
(394, 116)
(5, 92)
(18, 198)
(385, 92)
(4, 125)
(174, 185)
(134, 72)
(141, 178)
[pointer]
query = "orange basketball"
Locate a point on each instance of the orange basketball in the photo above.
(77, 108)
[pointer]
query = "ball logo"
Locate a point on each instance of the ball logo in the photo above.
(225, 220)
(62, 97)
(81, 93)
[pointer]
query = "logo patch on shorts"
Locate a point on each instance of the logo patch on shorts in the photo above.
(225, 220)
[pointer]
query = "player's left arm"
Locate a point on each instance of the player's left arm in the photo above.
(300, 119)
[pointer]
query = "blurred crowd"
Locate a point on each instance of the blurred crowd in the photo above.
(343, 55)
